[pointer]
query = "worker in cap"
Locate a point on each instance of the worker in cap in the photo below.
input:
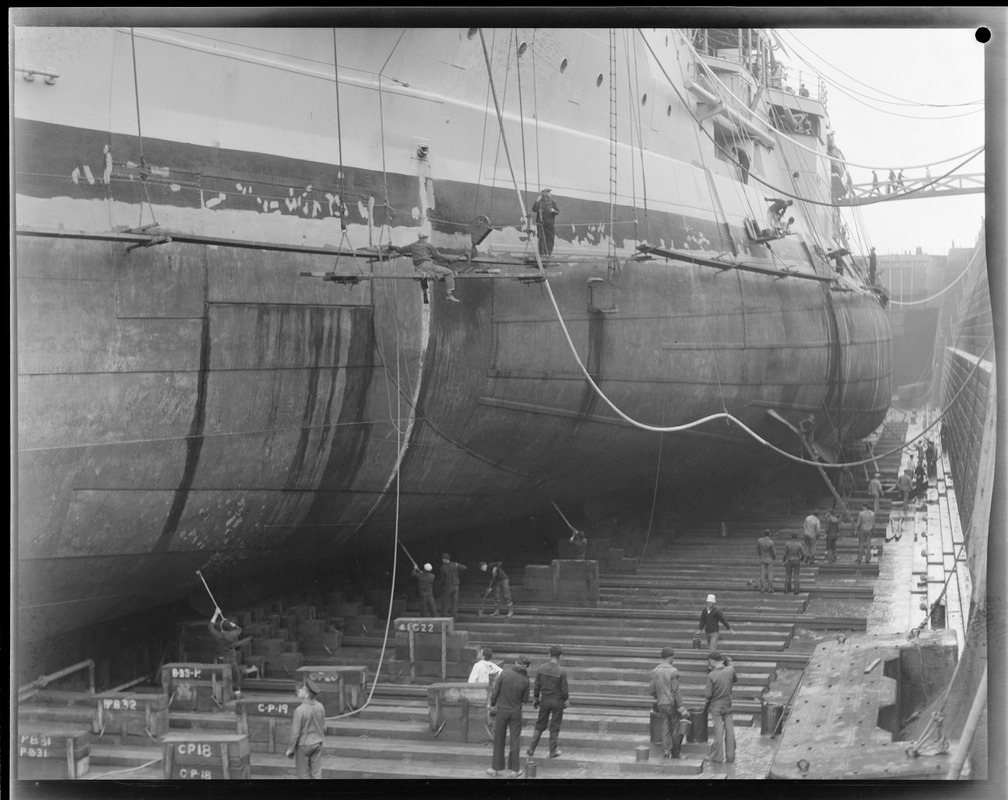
(424, 256)
(718, 700)
(425, 585)
(711, 620)
(500, 585)
(450, 584)
(766, 552)
(551, 697)
(307, 732)
(546, 209)
(507, 696)
(794, 554)
(226, 634)
(664, 687)
(875, 491)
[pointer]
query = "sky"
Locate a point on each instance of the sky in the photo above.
(923, 66)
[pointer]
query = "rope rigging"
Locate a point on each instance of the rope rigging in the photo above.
(780, 191)
(713, 76)
(795, 40)
(729, 418)
(521, 110)
(344, 237)
(612, 152)
(143, 161)
(938, 294)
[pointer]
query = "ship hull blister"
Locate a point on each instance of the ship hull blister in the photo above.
(256, 431)
(196, 405)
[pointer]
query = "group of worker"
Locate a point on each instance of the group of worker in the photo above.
(433, 265)
(550, 694)
(894, 183)
(500, 585)
(308, 722)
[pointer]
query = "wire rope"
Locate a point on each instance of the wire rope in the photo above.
(781, 134)
(795, 40)
(605, 399)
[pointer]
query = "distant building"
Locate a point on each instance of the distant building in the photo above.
(920, 331)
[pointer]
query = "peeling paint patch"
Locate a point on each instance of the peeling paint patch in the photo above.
(75, 175)
(88, 174)
(362, 209)
(216, 201)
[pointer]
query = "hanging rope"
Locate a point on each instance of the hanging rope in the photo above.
(535, 111)
(395, 543)
(143, 161)
(613, 160)
(956, 280)
(342, 175)
(640, 151)
(381, 121)
(632, 92)
(507, 152)
(521, 112)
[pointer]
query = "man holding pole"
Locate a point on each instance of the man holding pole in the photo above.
(501, 585)
(225, 636)
(425, 582)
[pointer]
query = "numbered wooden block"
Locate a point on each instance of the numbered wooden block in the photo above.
(427, 625)
(132, 717)
(458, 711)
(197, 687)
(344, 688)
(266, 721)
(52, 751)
(206, 756)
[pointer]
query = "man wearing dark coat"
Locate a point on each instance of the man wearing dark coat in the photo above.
(794, 554)
(664, 688)
(551, 697)
(546, 209)
(509, 693)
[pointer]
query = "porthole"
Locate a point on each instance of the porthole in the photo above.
(563, 65)
(472, 32)
(522, 48)
(599, 79)
(643, 100)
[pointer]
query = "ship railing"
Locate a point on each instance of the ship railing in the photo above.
(29, 689)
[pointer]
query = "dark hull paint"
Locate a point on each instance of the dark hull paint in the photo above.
(199, 407)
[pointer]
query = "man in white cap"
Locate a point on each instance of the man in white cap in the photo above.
(711, 620)
(307, 732)
(424, 254)
(425, 582)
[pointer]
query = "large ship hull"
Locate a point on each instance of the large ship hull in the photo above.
(196, 404)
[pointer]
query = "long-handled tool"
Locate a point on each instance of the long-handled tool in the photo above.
(563, 517)
(407, 552)
(207, 588)
(486, 594)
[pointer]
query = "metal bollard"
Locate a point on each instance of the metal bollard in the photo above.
(643, 752)
(530, 768)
